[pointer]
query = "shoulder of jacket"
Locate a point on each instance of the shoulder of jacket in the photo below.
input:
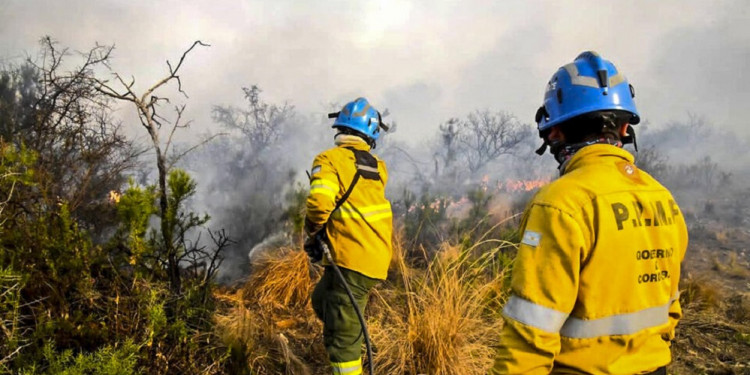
(651, 180)
(566, 194)
(330, 153)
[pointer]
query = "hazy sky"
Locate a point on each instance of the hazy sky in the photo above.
(425, 60)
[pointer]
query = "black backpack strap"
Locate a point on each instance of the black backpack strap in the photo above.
(340, 202)
(347, 193)
(367, 167)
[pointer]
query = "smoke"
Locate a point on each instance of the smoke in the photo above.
(247, 185)
(247, 177)
(702, 164)
(482, 55)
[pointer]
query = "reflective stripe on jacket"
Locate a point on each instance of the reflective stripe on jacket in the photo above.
(360, 230)
(595, 282)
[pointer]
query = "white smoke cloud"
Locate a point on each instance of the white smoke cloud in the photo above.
(681, 55)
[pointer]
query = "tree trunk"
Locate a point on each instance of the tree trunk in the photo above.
(173, 268)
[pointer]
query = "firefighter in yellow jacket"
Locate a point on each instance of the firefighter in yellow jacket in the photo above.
(348, 210)
(595, 283)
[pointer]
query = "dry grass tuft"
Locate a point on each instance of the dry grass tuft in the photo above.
(280, 280)
(440, 320)
(700, 293)
(732, 267)
(269, 324)
(443, 320)
(722, 237)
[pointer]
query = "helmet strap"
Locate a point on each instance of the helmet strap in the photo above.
(543, 148)
(630, 138)
(543, 134)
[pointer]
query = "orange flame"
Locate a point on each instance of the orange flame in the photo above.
(512, 186)
(114, 197)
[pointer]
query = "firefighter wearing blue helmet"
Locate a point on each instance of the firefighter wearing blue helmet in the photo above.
(595, 282)
(579, 97)
(361, 119)
(348, 212)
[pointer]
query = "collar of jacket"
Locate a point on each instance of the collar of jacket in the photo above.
(347, 140)
(595, 154)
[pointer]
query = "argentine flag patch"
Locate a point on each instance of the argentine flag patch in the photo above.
(315, 170)
(531, 238)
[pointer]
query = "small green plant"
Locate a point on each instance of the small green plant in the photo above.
(11, 284)
(135, 208)
(742, 338)
(425, 219)
(110, 360)
(295, 211)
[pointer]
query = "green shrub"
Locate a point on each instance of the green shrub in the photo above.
(117, 360)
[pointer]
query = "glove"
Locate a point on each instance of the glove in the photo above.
(311, 229)
(314, 248)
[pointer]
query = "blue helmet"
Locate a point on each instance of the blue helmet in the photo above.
(588, 84)
(361, 117)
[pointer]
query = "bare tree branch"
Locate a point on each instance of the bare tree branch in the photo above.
(179, 110)
(485, 136)
(173, 72)
(177, 158)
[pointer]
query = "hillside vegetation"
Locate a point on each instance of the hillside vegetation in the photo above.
(109, 265)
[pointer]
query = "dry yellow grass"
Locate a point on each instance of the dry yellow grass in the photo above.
(700, 293)
(268, 323)
(712, 336)
(281, 280)
(442, 320)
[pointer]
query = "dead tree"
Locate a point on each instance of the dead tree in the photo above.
(261, 124)
(147, 106)
(447, 151)
(485, 136)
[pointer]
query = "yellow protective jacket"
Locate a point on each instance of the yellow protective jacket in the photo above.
(360, 231)
(594, 285)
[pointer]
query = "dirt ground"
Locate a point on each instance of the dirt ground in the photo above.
(714, 335)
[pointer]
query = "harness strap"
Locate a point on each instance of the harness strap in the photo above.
(348, 192)
(367, 167)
